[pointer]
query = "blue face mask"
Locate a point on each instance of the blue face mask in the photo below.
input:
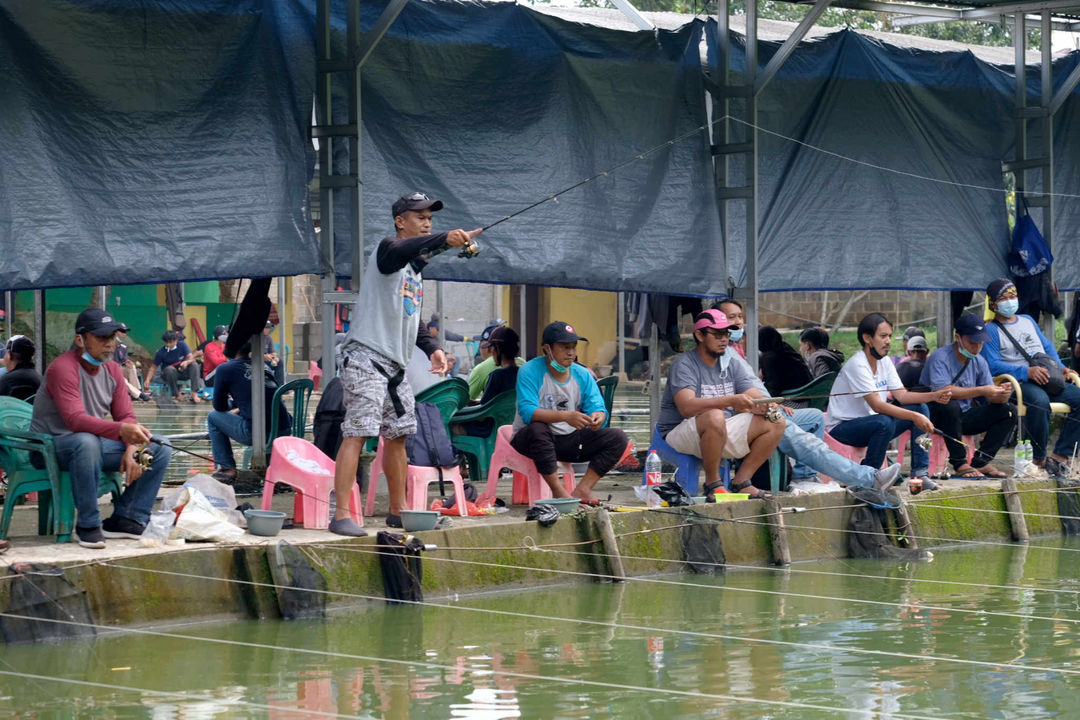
(965, 353)
(724, 361)
(737, 335)
(1008, 308)
(92, 360)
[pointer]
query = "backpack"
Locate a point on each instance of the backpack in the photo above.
(430, 446)
(329, 415)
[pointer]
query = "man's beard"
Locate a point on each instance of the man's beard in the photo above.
(106, 356)
(714, 354)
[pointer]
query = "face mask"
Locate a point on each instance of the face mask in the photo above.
(557, 367)
(1008, 308)
(92, 360)
(965, 353)
(876, 354)
(724, 361)
(737, 335)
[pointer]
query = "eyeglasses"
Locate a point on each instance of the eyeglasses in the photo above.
(718, 333)
(417, 196)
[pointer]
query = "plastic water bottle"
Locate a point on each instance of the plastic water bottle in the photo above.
(1029, 457)
(1019, 463)
(653, 477)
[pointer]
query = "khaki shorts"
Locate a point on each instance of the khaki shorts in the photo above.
(685, 438)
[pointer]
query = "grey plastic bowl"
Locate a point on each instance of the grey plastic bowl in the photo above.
(565, 506)
(264, 522)
(416, 520)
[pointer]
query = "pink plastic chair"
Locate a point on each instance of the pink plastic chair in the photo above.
(314, 373)
(939, 453)
(417, 480)
(529, 486)
(311, 506)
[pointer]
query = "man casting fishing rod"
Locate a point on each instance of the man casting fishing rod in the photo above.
(386, 324)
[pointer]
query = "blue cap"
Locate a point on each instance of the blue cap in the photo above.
(971, 327)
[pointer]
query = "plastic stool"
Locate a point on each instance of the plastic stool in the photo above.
(529, 486)
(311, 506)
(687, 467)
(939, 452)
(417, 479)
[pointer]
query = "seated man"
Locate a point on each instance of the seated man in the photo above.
(977, 404)
(910, 368)
(214, 354)
(270, 356)
(82, 386)
(479, 376)
(814, 346)
(128, 369)
(560, 415)
(1011, 337)
(860, 415)
(176, 361)
(21, 379)
(233, 421)
(707, 409)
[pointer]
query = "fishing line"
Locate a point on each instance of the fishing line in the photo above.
(430, 666)
(756, 591)
(607, 624)
(217, 701)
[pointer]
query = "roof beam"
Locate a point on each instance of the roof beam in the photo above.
(785, 50)
(1065, 90)
(1025, 7)
(371, 38)
(906, 8)
(627, 9)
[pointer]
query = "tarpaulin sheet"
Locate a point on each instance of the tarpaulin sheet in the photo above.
(829, 222)
(150, 142)
(491, 107)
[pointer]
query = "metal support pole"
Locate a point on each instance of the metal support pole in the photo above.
(325, 117)
(9, 305)
(440, 313)
(944, 318)
(1020, 100)
(282, 318)
(101, 296)
(355, 165)
(654, 374)
(522, 318)
(1046, 98)
(620, 320)
(752, 184)
(258, 404)
(39, 330)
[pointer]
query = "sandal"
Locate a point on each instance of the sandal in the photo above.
(710, 490)
(990, 471)
(967, 471)
(758, 493)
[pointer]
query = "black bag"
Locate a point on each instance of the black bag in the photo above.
(329, 415)
(430, 446)
(1056, 384)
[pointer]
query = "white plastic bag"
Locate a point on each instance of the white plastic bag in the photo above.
(198, 519)
(220, 495)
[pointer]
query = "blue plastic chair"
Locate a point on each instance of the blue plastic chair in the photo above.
(687, 467)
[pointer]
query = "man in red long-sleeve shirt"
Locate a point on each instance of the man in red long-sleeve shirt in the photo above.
(82, 386)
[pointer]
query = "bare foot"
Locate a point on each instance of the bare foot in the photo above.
(584, 496)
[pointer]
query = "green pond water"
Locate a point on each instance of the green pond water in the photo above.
(911, 642)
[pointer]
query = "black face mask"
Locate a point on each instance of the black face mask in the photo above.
(875, 353)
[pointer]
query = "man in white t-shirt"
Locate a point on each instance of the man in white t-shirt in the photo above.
(860, 414)
(1003, 356)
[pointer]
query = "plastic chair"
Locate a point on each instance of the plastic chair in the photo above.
(607, 390)
(291, 465)
(529, 486)
(501, 410)
(939, 452)
(820, 385)
(56, 504)
(1059, 408)
(314, 373)
(687, 467)
(449, 396)
(417, 480)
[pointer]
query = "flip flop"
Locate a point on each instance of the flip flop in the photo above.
(758, 495)
(967, 471)
(990, 471)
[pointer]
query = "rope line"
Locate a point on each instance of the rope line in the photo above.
(411, 664)
(626, 626)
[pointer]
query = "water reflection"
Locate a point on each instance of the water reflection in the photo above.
(469, 665)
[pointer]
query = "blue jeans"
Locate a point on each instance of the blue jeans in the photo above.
(874, 433)
(807, 447)
(85, 456)
(222, 427)
(1037, 420)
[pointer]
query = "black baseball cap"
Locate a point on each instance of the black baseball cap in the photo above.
(971, 327)
(998, 287)
(22, 346)
(98, 322)
(485, 337)
(415, 201)
(559, 331)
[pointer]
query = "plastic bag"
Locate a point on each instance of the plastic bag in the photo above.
(198, 519)
(219, 495)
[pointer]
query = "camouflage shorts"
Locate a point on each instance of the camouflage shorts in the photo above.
(378, 399)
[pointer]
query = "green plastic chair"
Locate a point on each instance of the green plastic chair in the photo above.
(607, 390)
(56, 504)
(449, 396)
(477, 450)
(821, 385)
(301, 390)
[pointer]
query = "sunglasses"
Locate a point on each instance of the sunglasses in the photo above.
(417, 196)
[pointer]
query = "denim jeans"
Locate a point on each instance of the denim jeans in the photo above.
(172, 376)
(874, 433)
(85, 456)
(1037, 420)
(222, 427)
(807, 447)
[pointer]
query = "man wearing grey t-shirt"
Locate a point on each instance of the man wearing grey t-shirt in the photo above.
(386, 325)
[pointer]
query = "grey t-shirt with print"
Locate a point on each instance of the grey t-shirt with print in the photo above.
(690, 371)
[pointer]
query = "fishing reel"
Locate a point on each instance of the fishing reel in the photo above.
(925, 441)
(470, 249)
(144, 457)
(774, 415)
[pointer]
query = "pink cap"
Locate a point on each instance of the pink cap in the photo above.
(712, 319)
